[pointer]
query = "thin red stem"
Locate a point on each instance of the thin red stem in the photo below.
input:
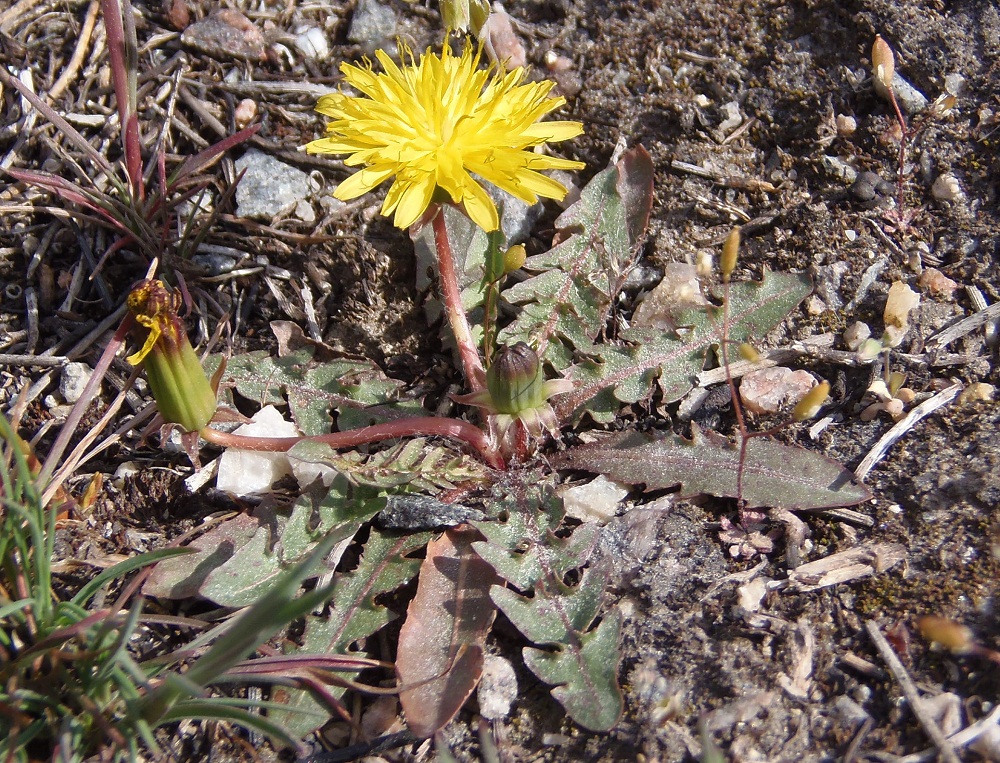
(417, 426)
(903, 135)
(451, 296)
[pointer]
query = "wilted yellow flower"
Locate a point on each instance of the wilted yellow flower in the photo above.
(431, 124)
(183, 393)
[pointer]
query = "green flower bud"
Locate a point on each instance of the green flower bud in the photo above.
(465, 15)
(183, 393)
(515, 379)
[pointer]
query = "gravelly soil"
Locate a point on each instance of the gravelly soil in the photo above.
(782, 683)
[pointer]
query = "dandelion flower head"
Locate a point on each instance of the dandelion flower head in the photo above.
(434, 124)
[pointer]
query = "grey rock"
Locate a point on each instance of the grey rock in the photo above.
(73, 380)
(372, 23)
(268, 186)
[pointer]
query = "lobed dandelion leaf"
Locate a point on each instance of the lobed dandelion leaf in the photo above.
(350, 387)
(624, 372)
(579, 659)
(565, 306)
(355, 613)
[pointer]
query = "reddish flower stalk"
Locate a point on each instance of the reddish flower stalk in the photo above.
(417, 426)
(451, 297)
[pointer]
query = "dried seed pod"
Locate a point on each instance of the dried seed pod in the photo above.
(749, 353)
(883, 66)
(730, 251)
(809, 405)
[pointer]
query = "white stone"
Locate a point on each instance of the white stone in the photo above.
(596, 501)
(245, 472)
(73, 381)
(311, 43)
(497, 688)
(947, 188)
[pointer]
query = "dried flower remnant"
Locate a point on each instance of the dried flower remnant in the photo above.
(433, 123)
(811, 404)
(183, 393)
(891, 396)
(883, 66)
(901, 301)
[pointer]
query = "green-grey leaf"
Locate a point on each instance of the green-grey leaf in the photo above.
(565, 306)
(348, 387)
(415, 464)
(354, 613)
(774, 475)
(585, 675)
(624, 373)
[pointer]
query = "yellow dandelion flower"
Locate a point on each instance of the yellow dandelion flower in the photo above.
(434, 124)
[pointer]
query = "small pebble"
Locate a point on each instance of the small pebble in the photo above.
(269, 186)
(871, 188)
(502, 40)
(947, 188)
(733, 118)
(373, 22)
(856, 334)
(244, 113)
(311, 43)
(975, 393)
(225, 35)
(910, 100)
(596, 501)
(497, 688)
(954, 84)
(937, 284)
(846, 126)
(770, 390)
(73, 381)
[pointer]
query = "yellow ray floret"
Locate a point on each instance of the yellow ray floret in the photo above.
(444, 123)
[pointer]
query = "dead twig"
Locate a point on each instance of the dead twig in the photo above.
(79, 53)
(945, 336)
(944, 747)
(16, 13)
(961, 739)
(37, 361)
(904, 425)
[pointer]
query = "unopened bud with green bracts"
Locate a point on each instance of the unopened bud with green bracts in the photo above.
(517, 394)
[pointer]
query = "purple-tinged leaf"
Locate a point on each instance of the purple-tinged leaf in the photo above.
(440, 652)
(774, 475)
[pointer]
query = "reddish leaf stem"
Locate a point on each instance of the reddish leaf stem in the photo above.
(432, 426)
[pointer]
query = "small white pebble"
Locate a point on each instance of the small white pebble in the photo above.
(311, 43)
(846, 126)
(856, 334)
(947, 188)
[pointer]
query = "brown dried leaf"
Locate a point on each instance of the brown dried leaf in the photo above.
(440, 656)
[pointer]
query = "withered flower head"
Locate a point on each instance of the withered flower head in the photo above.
(179, 385)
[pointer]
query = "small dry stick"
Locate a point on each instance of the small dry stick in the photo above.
(877, 453)
(79, 53)
(963, 738)
(38, 361)
(911, 693)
